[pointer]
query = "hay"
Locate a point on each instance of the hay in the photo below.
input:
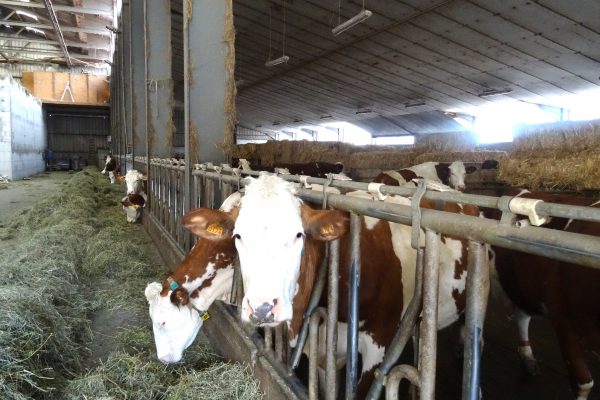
(554, 171)
(74, 253)
(558, 156)
(447, 141)
(558, 138)
(386, 160)
(465, 156)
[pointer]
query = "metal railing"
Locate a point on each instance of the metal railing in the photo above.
(212, 184)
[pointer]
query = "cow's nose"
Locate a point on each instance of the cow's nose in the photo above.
(168, 358)
(265, 313)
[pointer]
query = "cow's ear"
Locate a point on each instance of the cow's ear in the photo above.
(125, 201)
(209, 224)
(470, 169)
(324, 224)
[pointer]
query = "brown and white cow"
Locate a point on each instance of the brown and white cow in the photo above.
(178, 306)
(113, 169)
(452, 175)
(136, 182)
(316, 169)
(280, 243)
(133, 205)
(567, 293)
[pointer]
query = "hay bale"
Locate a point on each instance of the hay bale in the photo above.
(383, 160)
(556, 138)
(554, 171)
(465, 156)
(448, 141)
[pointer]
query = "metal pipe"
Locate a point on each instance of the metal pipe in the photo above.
(477, 287)
(320, 314)
(564, 246)
(332, 318)
(403, 334)
(353, 312)
(400, 372)
(313, 303)
(428, 339)
(543, 208)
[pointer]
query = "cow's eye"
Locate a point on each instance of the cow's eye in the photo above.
(299, 235)
(237, 236)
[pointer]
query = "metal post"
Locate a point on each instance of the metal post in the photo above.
(320, 314)
(332, 318)
(138, 83)
(478, 284)
(352, 361)
(430, 312)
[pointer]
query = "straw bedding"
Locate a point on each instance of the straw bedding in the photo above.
(75, 255)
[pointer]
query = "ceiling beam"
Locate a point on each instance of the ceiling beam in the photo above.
(81, 10)
(105, 47)
(58, 31)
(51, 53)
(95, 31)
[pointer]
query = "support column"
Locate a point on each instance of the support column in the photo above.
(125, 38)
(137, 47)
(209, 61)
(159, 81)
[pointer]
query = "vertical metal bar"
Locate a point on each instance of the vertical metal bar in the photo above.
(430, 311)
(352, 361)
(190, 159)
(478, 283)
(332, 318)
(318, 315)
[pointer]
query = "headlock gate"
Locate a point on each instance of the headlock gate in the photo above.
(209, 185)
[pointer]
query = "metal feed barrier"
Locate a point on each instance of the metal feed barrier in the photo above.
(209, 185)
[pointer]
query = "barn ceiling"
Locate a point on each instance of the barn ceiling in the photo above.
(400, 71)
(69, 32)
(408, 69)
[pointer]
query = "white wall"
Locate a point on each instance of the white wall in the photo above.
(22, 134)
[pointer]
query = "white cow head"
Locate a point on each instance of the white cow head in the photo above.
(270, 228)
(457, 173)
(174, 327)
(134, 181)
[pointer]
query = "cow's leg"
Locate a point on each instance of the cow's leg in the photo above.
(372, 356)
(572, 352)
(522, 320)
(111, 175)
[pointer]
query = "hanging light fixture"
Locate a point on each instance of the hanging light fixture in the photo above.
(357, 19)
(283, 59)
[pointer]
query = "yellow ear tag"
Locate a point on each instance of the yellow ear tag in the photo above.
(204, 316)
(327, 230)
(135, 206)
(215, 229)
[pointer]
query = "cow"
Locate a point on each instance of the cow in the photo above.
(136, 182)
(452, 174)
(315, 169)
(567, 293)
(178, 306)
(113, 169)
(280, 243)
(133, 205)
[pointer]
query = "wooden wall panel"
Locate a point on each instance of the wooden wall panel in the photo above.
(50, 86)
